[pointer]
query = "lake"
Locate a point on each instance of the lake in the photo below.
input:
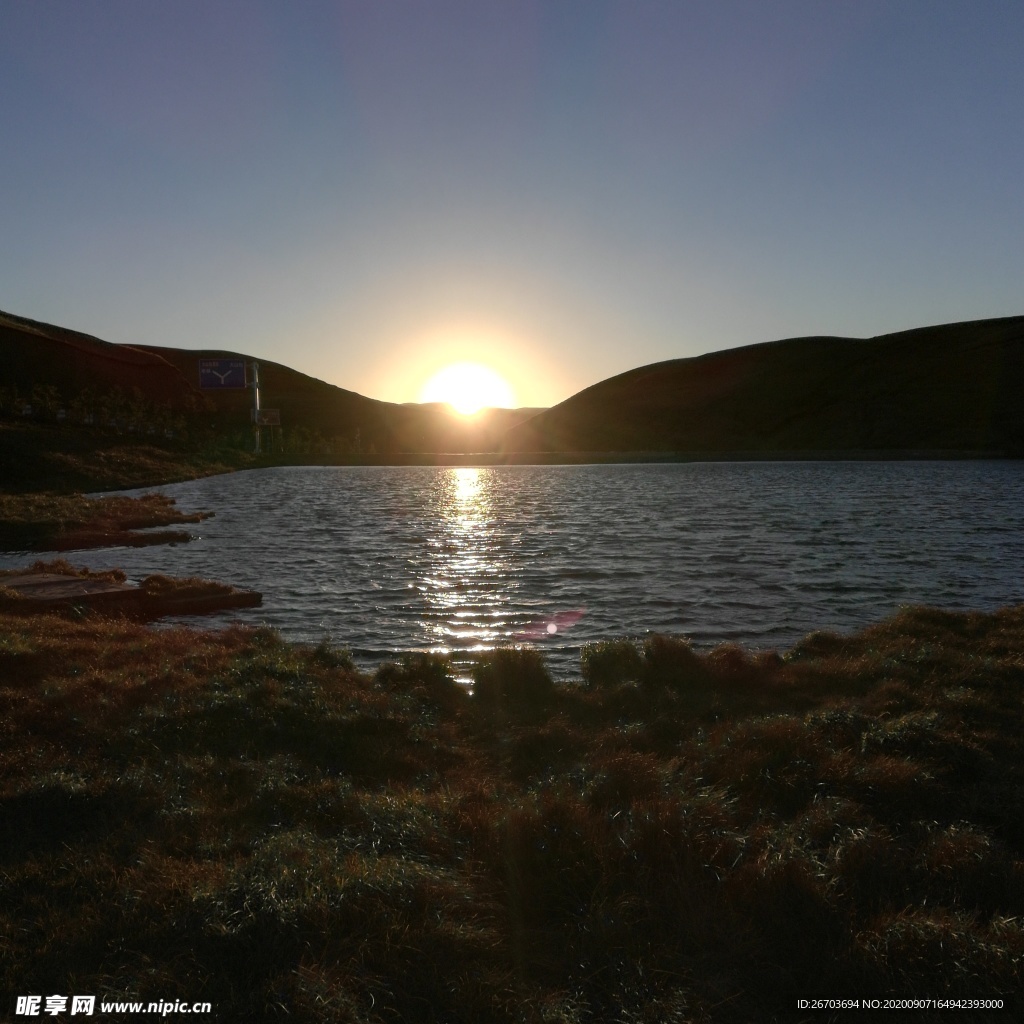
(390, 559)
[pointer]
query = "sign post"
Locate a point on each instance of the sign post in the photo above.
(256, 405)
(225, 374)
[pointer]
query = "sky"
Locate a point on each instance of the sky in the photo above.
(561, 189)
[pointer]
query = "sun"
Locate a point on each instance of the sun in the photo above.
(468, 388)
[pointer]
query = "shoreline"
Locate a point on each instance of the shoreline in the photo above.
(38, 522)
(46, 588)
(36, 458)
(472, 459)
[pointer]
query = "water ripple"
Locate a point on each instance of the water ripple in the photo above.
(387, 559)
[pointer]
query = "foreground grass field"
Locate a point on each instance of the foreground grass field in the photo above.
(677, 837)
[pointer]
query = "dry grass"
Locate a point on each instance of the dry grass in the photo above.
(684, 837)
(159, 585)
(54, 522)
(62, 567)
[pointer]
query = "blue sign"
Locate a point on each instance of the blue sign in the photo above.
(221, 373)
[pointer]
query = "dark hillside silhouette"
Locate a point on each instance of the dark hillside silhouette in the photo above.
(949, 388)
(956, 387)
(364, 423)
(34, 355)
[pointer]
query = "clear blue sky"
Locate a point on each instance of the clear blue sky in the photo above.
(565, 189)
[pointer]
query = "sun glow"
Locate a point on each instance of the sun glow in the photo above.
(468, 388)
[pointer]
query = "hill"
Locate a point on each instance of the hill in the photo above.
(34, 354)
(949, 388)
(129, 387)
(358, 423)
(955, 387)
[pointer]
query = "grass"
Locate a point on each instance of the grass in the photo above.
(65, 522)
(38, 457)
(679, 836)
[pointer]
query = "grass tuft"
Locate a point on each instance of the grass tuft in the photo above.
(671, 661)
(610, 662)
(515, 676)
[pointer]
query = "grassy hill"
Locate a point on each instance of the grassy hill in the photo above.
(950, 388)
(955, 387)
(35, 355)
(360, 423)
(131, 387)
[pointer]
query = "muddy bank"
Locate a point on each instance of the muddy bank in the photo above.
(58, 586)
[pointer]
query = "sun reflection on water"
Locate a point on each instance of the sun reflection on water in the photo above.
(468, 498)
(468, 580)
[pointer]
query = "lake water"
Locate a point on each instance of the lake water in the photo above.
(390, 559)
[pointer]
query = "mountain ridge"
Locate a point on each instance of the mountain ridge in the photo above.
(955, 387)
(949, 386)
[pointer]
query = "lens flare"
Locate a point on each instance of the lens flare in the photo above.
(540, 628)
